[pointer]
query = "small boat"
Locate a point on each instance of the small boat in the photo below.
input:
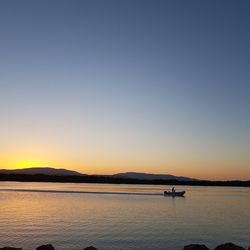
(173, 194)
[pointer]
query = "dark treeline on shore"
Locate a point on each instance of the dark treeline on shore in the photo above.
(113, 180)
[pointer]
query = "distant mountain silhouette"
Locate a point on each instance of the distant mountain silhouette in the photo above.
(45, 171)
(145, 176)
(65, 172)
(68, 176)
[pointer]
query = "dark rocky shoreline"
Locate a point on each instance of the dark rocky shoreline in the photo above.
(114, 180)
(224, 246)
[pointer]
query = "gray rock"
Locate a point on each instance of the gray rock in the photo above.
(195, 247)
(229, 246)
(90, 248)
(45, 247)
(10, 248)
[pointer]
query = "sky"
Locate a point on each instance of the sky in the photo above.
(103, 87)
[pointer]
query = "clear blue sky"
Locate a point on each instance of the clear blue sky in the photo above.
(113, 86)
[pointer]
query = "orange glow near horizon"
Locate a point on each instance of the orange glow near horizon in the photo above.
(27, 164)
(112, 164)
(206, 172)
(21, 163)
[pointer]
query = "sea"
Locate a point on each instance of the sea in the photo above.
(121, 217)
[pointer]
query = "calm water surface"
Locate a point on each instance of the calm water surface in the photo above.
(110, 219)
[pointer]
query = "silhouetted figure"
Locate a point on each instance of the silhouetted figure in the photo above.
(173, 190)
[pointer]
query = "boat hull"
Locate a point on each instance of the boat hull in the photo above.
(173, 194)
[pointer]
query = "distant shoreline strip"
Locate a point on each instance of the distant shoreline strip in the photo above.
(76, 192)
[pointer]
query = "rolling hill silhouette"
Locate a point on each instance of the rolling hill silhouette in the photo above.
(146, 176)
(45, 171)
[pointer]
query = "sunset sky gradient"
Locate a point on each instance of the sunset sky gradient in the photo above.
(116, 86)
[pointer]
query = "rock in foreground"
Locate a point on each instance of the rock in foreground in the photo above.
(195, 247)
(46, 247)
(90, 248)
(229, 246)
(10, 248)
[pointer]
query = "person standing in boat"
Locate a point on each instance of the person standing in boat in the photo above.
(173, 190)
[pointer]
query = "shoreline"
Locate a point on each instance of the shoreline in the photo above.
(112, 180)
